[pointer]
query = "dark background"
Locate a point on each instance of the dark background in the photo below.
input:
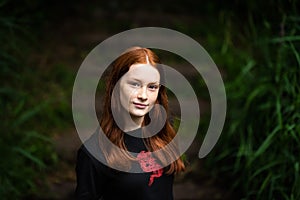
(255, 45)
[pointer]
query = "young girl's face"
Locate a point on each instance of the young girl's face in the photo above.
(139, 89)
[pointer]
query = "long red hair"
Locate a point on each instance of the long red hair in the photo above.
(118, 68)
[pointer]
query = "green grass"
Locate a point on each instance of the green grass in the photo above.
(257, 155)
(33, 103)
(259, 148)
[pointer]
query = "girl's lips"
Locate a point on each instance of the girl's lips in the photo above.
(140, 105)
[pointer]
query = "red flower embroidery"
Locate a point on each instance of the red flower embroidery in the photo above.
(149, 164)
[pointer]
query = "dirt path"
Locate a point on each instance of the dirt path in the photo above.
(68, 42)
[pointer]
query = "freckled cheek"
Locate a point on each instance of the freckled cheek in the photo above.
(127, 95)
(153, 98)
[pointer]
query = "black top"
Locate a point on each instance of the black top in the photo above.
(96, 180)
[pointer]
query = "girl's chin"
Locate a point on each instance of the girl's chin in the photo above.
(138, 114)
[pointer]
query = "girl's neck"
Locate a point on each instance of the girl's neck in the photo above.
(129, 124)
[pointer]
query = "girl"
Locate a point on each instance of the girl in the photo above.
(126, 166)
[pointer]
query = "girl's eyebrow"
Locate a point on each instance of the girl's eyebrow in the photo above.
(155, 82)
(135, 79)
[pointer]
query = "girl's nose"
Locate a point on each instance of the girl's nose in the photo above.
(142, 93)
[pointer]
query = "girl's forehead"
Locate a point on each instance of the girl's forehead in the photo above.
(143, 72)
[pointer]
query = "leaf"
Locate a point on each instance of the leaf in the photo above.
(26, 115)
(265, 145)
(31, 157)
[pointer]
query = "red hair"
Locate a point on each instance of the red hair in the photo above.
(119, 67)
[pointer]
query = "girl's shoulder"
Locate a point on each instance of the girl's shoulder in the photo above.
(89, 151)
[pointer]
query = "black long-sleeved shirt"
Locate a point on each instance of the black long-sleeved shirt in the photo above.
(96, 180)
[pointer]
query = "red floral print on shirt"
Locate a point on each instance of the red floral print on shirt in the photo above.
(149, 164)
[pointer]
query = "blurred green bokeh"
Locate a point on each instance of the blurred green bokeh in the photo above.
(254, 43)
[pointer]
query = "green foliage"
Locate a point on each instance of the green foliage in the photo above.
(25, 153)
(259, 148)
(256, 43)
(28, 110)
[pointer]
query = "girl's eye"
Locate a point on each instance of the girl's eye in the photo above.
(134, 84)
(153, 87)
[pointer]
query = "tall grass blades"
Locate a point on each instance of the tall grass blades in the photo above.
(25, 153)
(261, 139)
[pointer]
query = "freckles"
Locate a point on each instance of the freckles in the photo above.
(152, 100)
(133, 94)
(128, 92)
